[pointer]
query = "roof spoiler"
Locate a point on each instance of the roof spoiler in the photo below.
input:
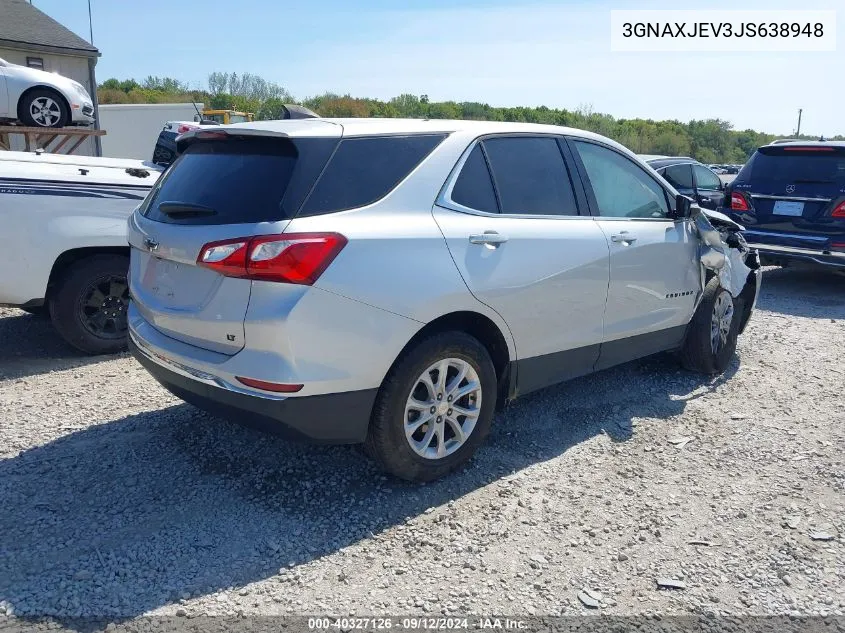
(319, 127)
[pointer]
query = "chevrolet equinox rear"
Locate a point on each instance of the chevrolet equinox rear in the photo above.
(391, 282)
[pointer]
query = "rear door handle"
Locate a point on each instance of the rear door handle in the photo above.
(488, 238)
(623, 237)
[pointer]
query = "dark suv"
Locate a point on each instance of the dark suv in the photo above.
(791, 199)
(691, 178)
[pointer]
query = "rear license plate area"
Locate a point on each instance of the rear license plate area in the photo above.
(787, 207)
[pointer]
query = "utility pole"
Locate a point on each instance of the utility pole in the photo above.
(90, 24)
(797, 132)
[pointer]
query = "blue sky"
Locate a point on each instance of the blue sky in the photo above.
(541, 52)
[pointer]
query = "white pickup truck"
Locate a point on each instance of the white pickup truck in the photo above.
(63, 249)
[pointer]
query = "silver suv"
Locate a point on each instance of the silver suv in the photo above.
(391, 282)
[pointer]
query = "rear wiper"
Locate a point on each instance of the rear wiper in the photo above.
(185, 209)
(814, 181)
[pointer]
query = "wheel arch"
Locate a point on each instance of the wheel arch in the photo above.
(44, 87)
(488, 333)
(74, 255)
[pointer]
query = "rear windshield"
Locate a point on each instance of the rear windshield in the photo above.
(246, 181)
(238, 181)
(793, 166)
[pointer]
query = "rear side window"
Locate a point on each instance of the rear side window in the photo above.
(530, 176)
(474, 187)
(794, 166)
(364, 170)
(679, 176)
(238, 181)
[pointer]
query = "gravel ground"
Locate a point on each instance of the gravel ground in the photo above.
(118, 500)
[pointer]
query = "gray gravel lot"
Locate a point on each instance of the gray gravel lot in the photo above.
(118, 500)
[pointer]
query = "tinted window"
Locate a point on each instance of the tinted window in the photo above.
(706, 179)
(238, 181)
(679, 176)
(364, 170)
(530, 176)
(621, 187)
(474, 187)
(795, 166)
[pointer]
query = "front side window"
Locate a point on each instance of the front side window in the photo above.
(530, 176)
(621, 187)
(706, 179)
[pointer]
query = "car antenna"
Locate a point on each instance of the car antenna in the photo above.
(194, 103)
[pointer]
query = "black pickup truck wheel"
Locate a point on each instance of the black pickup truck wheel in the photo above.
(88, 304)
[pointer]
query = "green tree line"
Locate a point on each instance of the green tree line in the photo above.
(710, 140)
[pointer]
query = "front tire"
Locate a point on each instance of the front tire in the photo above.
(88, 304)
(711, 340)
(43, 108)
(434, 408)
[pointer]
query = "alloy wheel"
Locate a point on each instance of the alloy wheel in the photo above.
(443, 408)
(103, 305)
(721, 321)
(45, 111)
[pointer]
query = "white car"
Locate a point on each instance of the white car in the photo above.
(63, 249)
(40, 99)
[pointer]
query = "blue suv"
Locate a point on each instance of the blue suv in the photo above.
(791, 199)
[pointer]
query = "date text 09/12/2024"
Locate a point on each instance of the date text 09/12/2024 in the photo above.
(415, 624)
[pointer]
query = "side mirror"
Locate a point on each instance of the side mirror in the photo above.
(682, 206)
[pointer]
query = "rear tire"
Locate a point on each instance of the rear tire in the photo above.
(422, 443)
(88, 304)
(711, 339)
(43, 107)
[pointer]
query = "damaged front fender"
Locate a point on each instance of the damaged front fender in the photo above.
(724, 251)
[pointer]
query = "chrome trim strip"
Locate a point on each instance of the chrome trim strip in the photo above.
(796, 250)
(760, 196)
(814, 238)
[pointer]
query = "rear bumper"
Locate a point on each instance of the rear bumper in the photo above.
(774, 254)
(338, 418)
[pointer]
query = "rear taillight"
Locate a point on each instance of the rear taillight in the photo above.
(293, 258)
(839, 211)
(738, 202)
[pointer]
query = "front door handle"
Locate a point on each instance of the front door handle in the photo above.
(623, 237)
(488, 238)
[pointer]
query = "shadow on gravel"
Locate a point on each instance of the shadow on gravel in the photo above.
(804, 292)
(134, 514)
(31, 346)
